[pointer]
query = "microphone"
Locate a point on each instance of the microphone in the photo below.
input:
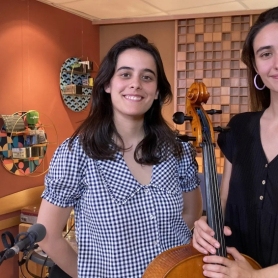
(34, 234)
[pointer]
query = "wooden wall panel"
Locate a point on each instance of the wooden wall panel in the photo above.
(208, 50)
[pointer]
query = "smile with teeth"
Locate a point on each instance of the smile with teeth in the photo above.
(133, 97)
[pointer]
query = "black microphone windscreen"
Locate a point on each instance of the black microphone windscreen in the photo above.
(39, 231)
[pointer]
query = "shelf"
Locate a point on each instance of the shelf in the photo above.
(79, 72)
(22, 153)
(82, 86)
(75, 102)
(40, 145)
(76, 95)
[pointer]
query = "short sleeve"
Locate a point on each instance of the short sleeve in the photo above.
(64, 181)
(226, 139)
(188, 168)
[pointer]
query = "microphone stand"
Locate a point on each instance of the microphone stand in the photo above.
(2, 258)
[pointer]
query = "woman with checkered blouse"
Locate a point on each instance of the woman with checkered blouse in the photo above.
(133, 185)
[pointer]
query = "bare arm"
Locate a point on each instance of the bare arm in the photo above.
(192, 206)
(270, 272)
(54, 219)
(225, 182)
(203, 239)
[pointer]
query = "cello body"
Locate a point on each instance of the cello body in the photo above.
(182, 262)
(185, 261)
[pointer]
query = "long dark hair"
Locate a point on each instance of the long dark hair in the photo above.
(259, 99)
(95, 133)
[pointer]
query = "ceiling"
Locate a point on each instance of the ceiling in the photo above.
(113, 11)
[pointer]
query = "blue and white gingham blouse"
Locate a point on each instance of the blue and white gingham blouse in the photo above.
(121, 225)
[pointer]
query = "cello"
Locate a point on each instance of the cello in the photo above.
(185, 261)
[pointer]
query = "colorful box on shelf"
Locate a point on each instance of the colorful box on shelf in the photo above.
(35, 136)
(72, 89)
(27, 152)
(82, 67)
(87, 66)
(13, 123)
(19, 153)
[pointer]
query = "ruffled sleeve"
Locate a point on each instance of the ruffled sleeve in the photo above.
(64, 182)
(188, 168)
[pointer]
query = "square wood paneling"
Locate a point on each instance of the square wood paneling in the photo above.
(209, 50)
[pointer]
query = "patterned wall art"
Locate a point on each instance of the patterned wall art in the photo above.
(78, 101)
(23, 143)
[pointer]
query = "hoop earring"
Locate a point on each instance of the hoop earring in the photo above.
(255, 83)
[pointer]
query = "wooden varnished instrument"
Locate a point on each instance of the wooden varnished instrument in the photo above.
(185, 261)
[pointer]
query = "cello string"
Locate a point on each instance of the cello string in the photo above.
(217, 202)
(216, 197)
(215, 213)
(212, 186)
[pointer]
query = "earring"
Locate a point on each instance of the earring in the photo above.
(255, 83)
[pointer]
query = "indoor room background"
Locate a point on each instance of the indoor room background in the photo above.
(36, 39)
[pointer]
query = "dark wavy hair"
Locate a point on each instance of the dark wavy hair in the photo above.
(95, 133)
(259, 100)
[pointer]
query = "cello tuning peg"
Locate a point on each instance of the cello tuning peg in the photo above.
(214, 111)
(221, 129)
(179, 118)
(186, 138)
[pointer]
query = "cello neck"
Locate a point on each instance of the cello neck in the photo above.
(213, 201)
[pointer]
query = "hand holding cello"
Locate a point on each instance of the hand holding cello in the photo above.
(203, 238)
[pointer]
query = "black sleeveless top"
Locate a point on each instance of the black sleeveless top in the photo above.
(252, 205)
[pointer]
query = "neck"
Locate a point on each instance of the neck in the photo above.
(271, 112)
(131, 130)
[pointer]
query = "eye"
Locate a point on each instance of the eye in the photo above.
(147, 77)
(266, 55)
(125, 75)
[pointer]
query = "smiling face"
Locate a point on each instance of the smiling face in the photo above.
(266, 55)
(133, 87)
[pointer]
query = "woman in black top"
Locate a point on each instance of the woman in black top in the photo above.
(249, 187)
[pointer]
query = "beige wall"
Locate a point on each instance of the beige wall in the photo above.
(162, 34)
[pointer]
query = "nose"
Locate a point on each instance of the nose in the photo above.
(276, 61)
(135, 83)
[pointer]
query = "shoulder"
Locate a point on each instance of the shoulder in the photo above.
(69, 149)
(241, 128)
(71, 143)
(242, 119)
(188, 154)
(186, 148)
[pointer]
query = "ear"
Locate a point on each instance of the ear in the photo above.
(156, 95)
(107, 88)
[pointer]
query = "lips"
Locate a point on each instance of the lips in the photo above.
(131, 97)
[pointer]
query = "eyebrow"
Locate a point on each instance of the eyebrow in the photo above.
(263, 48)
(129, 68)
